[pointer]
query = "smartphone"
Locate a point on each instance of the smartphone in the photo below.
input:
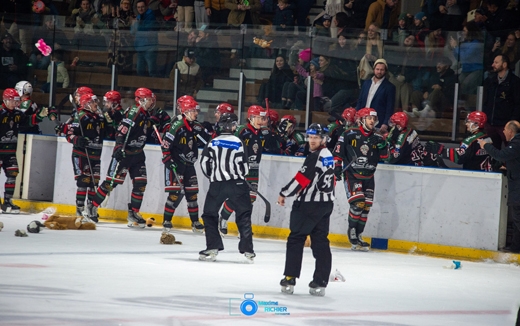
(497, 39)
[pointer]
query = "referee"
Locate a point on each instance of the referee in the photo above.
(310, 215)
(224, 163)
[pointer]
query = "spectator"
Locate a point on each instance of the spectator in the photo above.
(495, 18)
(144, 29)
(511, 157)
(403, 29)
(323, 26)
(357, 12)
(272, 89)
(470, 54)
(374, 45)
(317, 82)
(49, 34)
(384, 13)
(438, 93)
(303, 7)
(62, 76)
(337, 86)
(283, 18)
(340, 22)
(501, 100)
(185, 15)
(201, 17)
(511, 49)
(291, 88)
(419, 29)
(217, 12)
(378, 93)
(434, 46)
(81, 18)
(452, 13)
(243, 14)
(190, 80)
(14, 63)
(343, 58)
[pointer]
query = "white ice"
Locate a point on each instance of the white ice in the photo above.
(121, 276)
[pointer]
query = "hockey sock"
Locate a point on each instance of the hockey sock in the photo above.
(169, 207)
(81, 193)
(226, 211)
(91, 194)
(193, 211)
(136, 199)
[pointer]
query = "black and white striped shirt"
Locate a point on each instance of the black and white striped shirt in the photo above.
(224, 159)
(315, 180)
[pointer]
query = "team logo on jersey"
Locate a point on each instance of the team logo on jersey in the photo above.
(327, 161)
(255, 148)
(190, 143)
(364, 149)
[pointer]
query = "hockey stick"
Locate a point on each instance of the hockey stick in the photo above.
(267, 215)
(86, 153)
(173, 169)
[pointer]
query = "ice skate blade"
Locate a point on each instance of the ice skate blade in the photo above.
(166, 230)
(319, 291)
(135, 225)
(359, 248)
(199, 231)
(289, 289)
(10, 211)
(207, 258)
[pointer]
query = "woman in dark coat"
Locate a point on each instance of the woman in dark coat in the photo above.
(280, 74)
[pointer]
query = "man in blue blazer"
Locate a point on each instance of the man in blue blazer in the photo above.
(378, 93)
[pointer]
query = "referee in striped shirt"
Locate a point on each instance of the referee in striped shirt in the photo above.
(224, 163)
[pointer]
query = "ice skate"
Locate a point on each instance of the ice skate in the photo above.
(362, 245)
(250, 256)
(85, 218)
(352, 237)
(9, 208)
(79, 210)
(167, 226)
(288, 284)
(316, 290)
(208, 255)
(91, 212)
(135, 219)
(222, 226)
(197, 227)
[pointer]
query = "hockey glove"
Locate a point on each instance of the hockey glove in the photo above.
(53, 113)
(338, 172)
(119, 153)
(376, 140)
(155, 120)
(81, 142)
(42, 114)
(208, 126)
(434, 147)
(172, 165)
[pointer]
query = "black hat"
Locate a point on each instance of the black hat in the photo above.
(6, 35)
(190, 53)
(227, 121)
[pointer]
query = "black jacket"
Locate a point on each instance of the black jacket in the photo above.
(511, 157)
(501, 102)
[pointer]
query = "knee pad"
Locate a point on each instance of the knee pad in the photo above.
(357, 207)
(83, 181)
(12, 172)
(139, 186)
(172, 201)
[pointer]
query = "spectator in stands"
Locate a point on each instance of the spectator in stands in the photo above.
(403, 28)
(496, 19)
(125, 14)
(438, 92)
(317, 82)
(144, 29)
(384, 13)
(190, 80)
(340, 22)
(283, 19)
(470, 54)
(13, 63)
(511, 49)
(49, 34)
(185, 15)
(201, 17)
(501, 100)
(62, 75)
(272, 89)
(434, 46)
(217, 12)
(81, 18)
(357, 12)
(378, 93)
(452, 13)
(323, 26)
(374, 45)
(242, 13)
(290, 88)
(419, 29)
(511, 157)
(303, 7)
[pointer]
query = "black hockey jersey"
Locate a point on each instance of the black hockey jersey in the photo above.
(254, 142)
(93, 128)
(10, 123)
(133, 128)
(404, 148)
(336, 129)
(469, 154)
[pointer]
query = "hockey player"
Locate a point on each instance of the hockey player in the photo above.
(404, 146)
(162, 121)
(113, 113)
(310, 215)
(362, 149)
(11, 118)
(253, 137)
(293, 142)
(128, 156)
(86, 134)
(61, 129)
(337, 127)
(29, 107)
(180, 152)
(214, 129)
(273, 140)
(224, 163)
(469, 153)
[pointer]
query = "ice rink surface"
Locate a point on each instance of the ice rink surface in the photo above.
(121, 276)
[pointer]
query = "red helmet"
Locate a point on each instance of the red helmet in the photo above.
(256, 110)
(189, 105)
(112, 96)
(87, 98)
(11, 94)
(480, 118)
(399, 119)
(142, 96)
(363, 113)
(224, 107)
(273, 116)
(290, 118)
(83, 90)
(184, 98)
(349, 114)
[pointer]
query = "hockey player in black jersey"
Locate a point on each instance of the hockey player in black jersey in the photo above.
(11, 118)
(224, 163)
(337, 127)
(113, 113)
(293, 142)
(180, 152)
(29, 107)
(128, 156)
(310, 215)
(362, 149)
(214, 129)
(86, 134)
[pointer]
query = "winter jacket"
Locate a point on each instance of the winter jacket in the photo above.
(145, 31)
(501, 102)
(236, 17)
(376, 13)
(470, 55)
(215, 4)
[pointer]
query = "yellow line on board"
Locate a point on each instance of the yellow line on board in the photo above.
(270, 232)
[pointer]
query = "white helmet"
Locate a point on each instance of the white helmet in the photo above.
(23, 87)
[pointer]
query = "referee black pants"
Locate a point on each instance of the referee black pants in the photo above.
(237, 193)
(309, 218)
